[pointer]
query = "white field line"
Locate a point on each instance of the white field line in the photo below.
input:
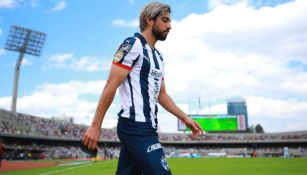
(67, 169)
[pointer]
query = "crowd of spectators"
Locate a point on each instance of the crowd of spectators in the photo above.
(230, 137)
(17, 123)
(7, 127)
(35, 151)
(37, 126)
(28, 125)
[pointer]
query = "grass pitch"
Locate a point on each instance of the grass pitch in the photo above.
(202, 166)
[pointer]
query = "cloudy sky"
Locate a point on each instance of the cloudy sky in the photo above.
(216, 50)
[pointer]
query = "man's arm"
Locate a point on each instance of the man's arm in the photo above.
(116, 77)
(166, 101)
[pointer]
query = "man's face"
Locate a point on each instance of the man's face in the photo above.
(161, 26)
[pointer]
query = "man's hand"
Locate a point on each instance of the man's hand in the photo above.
(91, 137)
(194, 126)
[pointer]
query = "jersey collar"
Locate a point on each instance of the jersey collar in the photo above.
(143, 40)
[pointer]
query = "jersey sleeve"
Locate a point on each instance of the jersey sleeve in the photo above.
(127, 54)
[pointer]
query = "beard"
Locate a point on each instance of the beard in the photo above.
(159, 35)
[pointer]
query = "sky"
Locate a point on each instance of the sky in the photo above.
(216, 50)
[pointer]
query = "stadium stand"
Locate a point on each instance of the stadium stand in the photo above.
(32, 137)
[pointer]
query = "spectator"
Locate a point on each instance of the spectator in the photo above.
(1, 151)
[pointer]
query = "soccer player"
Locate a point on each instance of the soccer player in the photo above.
(138, 72)
(286, 152)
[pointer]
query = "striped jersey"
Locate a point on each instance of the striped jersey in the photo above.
(140, 90)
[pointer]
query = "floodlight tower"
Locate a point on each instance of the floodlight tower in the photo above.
(27, 41)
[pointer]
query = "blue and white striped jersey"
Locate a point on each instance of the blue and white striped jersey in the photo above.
(140, 90)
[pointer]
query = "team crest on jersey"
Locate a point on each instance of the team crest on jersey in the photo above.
(122, 50)
(164, 163)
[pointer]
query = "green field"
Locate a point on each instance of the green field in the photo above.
(206, 166)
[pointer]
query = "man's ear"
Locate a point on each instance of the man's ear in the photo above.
(149, 21)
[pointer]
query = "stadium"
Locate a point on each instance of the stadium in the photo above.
(248, 55)
(30, 138)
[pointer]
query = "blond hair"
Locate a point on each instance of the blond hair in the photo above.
(152, 10)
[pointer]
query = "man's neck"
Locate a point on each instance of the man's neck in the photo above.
(151, 40)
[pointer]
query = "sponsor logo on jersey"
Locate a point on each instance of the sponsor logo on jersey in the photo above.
(156, 73)
(154, 147)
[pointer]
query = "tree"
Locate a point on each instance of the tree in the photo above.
(250, 129)
(259, 129)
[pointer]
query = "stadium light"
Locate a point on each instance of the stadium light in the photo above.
(24, 41)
